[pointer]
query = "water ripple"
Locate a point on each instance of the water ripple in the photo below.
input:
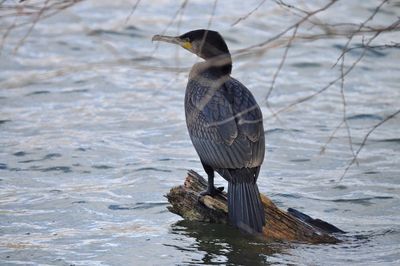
(138, 205)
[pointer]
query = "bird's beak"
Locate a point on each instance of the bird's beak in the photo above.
(172, 39)
(163, 38)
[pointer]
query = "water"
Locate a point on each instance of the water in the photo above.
(93, 135)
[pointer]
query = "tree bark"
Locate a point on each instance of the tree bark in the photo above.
(292, 226)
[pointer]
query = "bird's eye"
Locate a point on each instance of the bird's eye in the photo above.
(187, 44)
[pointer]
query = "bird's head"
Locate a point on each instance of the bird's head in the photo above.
(203, 43)
(206, 44)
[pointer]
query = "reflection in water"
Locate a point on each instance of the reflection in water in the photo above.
(223, 244)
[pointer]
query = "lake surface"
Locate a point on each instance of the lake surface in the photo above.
(93, 136)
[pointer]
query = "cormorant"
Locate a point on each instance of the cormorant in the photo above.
(225, 125)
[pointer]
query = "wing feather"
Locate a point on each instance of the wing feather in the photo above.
(225, 125)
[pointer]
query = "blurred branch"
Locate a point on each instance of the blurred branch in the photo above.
(26, 13)
(342, 78)
(248, 14)
(274, 77)
(179, 11)
(132, 11)
(285, 53)
(344, 103)
(35, 20)
(350, 37)
(330, 31)
(364, 141)
(14, 14)
(282, 33)
(372, 47)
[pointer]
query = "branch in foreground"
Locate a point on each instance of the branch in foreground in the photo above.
(365, 141)
(29, 14)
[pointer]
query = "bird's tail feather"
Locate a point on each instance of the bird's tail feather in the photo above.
(245, 207)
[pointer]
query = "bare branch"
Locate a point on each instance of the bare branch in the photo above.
(33, 13)
(359, 28)
(135, 6)
(372, 47)
(365, 141)
(36, 19)
(323, 148)
(297, 24)
(345, 73)
(285, 53)
(178, 11)
(248, 14)
(29, 13)
(214, 7)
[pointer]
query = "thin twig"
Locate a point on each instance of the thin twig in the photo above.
(34, 22)
(333, 134)
(214, 7)
(34, 15)
(359, 28)
(372, 47)
(365, 141)
(285, 53)
(248, 14)
(135, 6)
(178, 11)
(275, 76)
(346, 124)
(345, 73)
(282, 33)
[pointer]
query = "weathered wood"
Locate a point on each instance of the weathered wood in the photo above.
(280, 225)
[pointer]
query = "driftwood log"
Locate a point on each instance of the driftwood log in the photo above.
(290, 226)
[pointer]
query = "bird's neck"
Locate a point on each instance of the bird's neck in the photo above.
(220, 65)
(210, 76)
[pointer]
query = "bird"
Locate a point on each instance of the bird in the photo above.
(225, 125)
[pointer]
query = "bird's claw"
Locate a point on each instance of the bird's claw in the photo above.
(211, 191)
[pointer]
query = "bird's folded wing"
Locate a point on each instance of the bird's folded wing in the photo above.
(221, 139)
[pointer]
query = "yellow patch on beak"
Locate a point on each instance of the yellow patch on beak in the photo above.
(187, 45)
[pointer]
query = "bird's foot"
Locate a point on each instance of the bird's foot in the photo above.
(211, 191)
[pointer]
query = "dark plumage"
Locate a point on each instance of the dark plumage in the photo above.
(225, 126)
